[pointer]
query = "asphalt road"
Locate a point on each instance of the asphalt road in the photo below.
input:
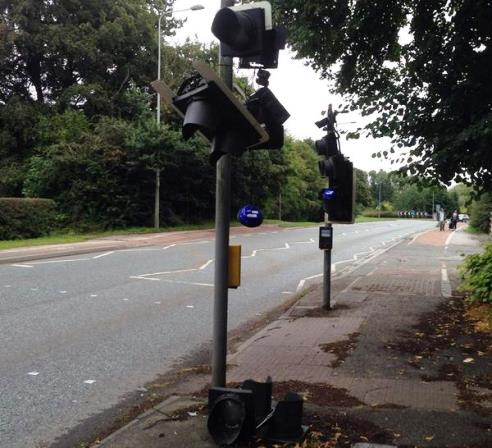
(80, 332)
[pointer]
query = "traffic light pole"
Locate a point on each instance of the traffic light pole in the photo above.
(327, 272)
(222, 224)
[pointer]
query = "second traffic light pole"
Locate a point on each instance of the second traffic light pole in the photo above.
(327, 252)
(222, 224)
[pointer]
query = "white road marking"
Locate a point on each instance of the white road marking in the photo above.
(446, 290)
(448, 239)
(63, 292)
(190, 306)
(140, 277)
(93, 295)
(253, 254)
(71, 260)
(125, 300)
(21, 265)
(205, 265)
(7, 286)
(195, 242)
(89, 381)
(105, 254)
(301, 283)
(182, 282)
(140, 249)
(33, 373)
(311, 240)
(287, 292)
(157, 303)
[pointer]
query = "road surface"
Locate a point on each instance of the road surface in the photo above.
(80, 332)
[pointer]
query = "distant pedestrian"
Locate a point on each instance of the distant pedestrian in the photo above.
(442, 219)
(454, 220)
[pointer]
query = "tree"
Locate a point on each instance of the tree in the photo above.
(381, 184)
(363, 197)
(58, 55)
(422, 67)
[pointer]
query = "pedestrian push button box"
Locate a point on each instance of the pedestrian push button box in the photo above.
(326, 237)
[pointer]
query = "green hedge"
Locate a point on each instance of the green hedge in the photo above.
(477, 276)
(26, 218)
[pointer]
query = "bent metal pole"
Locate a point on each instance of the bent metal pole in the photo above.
(222, 222)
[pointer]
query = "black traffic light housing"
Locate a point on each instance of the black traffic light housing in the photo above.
(241, 33)
(327, 146)
(246, 31)
(268, 110)
(340, 203)
(210, 109)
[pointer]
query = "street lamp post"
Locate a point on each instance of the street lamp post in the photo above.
(379, 201)
(158, 109)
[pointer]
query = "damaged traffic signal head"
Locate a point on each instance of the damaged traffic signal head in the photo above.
(246, 31)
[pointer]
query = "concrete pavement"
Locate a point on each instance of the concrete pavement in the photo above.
(393, 362)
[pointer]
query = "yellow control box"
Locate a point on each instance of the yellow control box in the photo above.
(234, 268)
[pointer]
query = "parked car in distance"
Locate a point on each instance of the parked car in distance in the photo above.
(463, 217)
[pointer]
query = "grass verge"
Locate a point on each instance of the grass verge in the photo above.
(77, 237)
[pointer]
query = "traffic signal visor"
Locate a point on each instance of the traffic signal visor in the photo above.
(241, 29)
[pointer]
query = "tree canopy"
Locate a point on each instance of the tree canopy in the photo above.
(420, 68)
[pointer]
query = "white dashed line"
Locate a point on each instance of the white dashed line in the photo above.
(71, 260)
(448, 239)
(63, 292)
(89, 381)
(169, 246)
(105, 254)
(141, 277)
(33, 373)
(301, 283)
(182, 282)
(205, 265)
(21, 265)
(446, 290)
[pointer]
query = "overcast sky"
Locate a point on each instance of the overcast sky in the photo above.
(296, 86)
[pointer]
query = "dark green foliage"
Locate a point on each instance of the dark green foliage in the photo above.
(26, 218)
(430, 92)
(477, 276)
(480, 213)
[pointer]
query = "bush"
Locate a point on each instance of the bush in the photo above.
(26, 218)
(477, 276)
(480, 213)
(388, 214)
